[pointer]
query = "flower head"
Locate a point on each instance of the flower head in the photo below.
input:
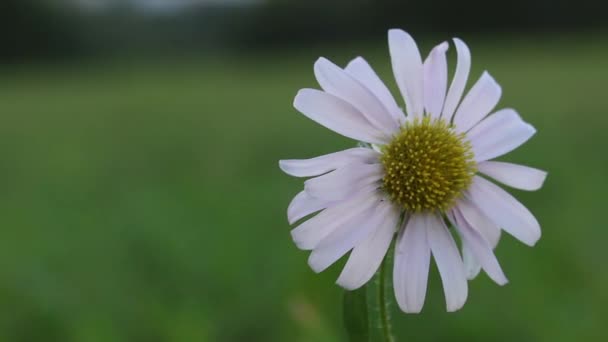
(419, 173)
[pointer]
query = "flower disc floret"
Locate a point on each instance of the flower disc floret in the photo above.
(427, 165)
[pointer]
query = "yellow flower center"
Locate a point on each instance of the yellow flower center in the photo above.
(427, 165)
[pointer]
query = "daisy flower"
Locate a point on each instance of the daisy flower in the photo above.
(415, 174)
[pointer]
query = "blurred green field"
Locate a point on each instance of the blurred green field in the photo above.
(143, 201)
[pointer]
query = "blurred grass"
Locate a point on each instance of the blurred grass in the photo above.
(143, 202)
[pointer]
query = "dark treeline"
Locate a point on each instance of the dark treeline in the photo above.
(31, 29)
(314, 20)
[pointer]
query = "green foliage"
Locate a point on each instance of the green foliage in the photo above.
(366, 310)
(356, 317)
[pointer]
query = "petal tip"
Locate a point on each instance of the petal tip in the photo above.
(412, 310)
(282, 165)
(300, 243)
(396, 33)
(454, 308)
(356, 60)
(503, 282)
(456, 305)
(486, 74)
(297, 100)
(321, 60)
(409, 308)
(531, 128)
(533, 240)
(345, 284)
(543, 176)
(314, 263)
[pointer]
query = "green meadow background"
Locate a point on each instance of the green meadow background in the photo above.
(142, 201)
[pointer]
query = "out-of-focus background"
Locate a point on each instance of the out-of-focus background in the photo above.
(140, 195)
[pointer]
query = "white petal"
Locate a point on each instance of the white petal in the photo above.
(459, 82)
(337, 115)
(504, 210)
(480, 101)
(366, 257)
(347, 236)
(408, 70)
(435, 80)
(308, 234)
(480, 248)
(411, 266)
(499, 133)
(513, 175)
(329, 162)
(344, 182)
(449, 263)
(362, 71)
(303, 205)
(338, 82)
(486, 227)
(471, 265)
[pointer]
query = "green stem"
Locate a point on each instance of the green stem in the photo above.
(385, 316)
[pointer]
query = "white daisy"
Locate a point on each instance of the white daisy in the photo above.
(418, 172)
